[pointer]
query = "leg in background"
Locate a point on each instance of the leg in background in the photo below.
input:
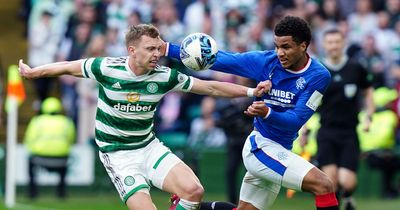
(232, 170)
(33, 191)
(61, 188)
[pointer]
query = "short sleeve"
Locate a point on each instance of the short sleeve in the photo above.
(91, 68)
(182, 81)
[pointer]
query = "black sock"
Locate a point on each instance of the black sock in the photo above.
(217, 205)
(347, 194)
(339, 194)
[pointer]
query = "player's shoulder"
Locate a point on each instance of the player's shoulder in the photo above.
(162, 69)
(265, 57)
(265, 54)
(115, 61)
(318, 69)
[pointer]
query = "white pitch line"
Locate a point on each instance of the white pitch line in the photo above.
(32, 207)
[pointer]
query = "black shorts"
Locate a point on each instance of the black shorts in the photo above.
(338, 146)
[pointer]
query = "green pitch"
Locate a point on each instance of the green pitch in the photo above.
(109, 201)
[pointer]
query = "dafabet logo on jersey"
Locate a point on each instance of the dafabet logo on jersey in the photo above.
(132, 97)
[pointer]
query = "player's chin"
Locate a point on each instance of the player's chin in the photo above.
(285, 64)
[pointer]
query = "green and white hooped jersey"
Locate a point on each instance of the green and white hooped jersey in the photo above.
(127, 103)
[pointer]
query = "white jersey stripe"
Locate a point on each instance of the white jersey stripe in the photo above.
(277, 103)
(121, 96)
(116, 113)
(117, 132)
(103, 144)
(87, 65)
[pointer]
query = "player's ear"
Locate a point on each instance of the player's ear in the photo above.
(131, 49)
(303, 46)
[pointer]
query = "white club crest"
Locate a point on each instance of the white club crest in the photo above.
(300, 82)
(152, 87)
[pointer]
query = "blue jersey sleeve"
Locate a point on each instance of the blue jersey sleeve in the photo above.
(173, 51)
(293, 119)
(249, 64)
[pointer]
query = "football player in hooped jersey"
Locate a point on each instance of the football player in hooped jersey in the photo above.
(129, 90)
(298, 84)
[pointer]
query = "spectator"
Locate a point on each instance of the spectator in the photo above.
(393, 8)
(171, 28)
(361, 22)
(75, 48)
(384, 33)
(329, 10)
(373, 61)
(88, 93)
(49, 138)
(43, 44)
(204, 133)
(378, 143)
(209, 18)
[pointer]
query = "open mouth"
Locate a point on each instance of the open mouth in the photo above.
(283, 61)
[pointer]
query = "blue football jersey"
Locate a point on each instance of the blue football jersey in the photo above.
(293, 98)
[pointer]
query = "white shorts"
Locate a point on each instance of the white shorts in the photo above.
(269, 166)
(139, 169)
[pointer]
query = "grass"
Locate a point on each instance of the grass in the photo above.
(110, 201)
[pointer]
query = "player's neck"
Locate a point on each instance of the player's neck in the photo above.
(302, 63)
(336, 59)
(137, 70)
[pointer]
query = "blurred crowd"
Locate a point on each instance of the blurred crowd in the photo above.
(59, 30)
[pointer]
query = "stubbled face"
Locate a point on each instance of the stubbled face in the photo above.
(290, 53)
(334, 45)
(146, 52)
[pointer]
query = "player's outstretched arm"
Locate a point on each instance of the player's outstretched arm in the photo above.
(230, 90)
(51, 70)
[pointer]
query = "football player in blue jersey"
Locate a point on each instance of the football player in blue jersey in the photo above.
(337, 140)
(298, 84)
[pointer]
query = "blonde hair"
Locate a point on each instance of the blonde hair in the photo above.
(136, 32)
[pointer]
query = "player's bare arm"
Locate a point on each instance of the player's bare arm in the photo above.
(369, 107)
(51, 70)
(229, 90)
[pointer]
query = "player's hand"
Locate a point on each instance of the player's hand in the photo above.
(303, 139)
(258, 108)
(367, 124)
(163, 47)
(262, 88)
(24, 69)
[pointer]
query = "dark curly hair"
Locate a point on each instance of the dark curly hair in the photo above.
(295, 27)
